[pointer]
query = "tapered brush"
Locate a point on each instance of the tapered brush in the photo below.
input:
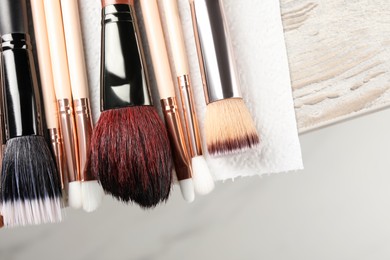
(49, 98)
(30, 184)
(130, 152)
(92, 192)
(166, 89)
(62, 87)
(229, 126)
(203, 181)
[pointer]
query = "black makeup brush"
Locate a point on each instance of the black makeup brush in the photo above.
(130, 152)
(30, 184)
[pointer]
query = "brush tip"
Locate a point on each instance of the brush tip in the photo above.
(92, 194)
(74, 195)
(187, 190)
(203, 181)
(229, 127)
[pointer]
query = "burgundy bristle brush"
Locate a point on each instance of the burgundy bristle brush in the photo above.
(130, 152)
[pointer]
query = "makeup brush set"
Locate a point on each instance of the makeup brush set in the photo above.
(57, 158)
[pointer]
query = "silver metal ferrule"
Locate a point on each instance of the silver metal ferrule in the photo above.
(215, 51)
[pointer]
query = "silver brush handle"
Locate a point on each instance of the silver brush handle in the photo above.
(215, 52)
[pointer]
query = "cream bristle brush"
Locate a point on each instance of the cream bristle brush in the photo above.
(92, 192)
(229, 126)
(49, 98)
(64, 98)
(166, 89)
(203, 181)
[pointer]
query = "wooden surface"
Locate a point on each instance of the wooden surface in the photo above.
(339, 54)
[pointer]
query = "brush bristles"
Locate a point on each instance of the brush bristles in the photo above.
(92, 194)
(30, 184)
(229, 127)
(131, 157)
(203, 181)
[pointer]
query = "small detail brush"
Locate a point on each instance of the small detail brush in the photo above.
(203, 181)
(30, 184)
(130, 150)
(49, 98)
(166, 88)
(229, 126)
(64, 98)
(2, 137)
(92, 192)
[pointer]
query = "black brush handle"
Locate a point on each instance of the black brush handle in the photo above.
(22, 108)
(123, 79)
(13, 16)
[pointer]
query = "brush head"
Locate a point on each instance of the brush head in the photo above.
(92, 194)
(187, 190)
(131, 156)
(75, 199)
(203, 181)
(229, 127)
(30, 184)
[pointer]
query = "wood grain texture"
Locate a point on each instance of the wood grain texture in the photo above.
(339, 55)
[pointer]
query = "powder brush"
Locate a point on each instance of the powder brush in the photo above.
(47, 87)
(229, 126)
(166, 89)
(203, 181)
(62, 87)
(92, 192)
(130, 152)
(30, 184)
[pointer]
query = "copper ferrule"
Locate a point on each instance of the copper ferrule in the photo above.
(69, 136)
(190, 118)
(58, 152)
(84, 128)
(215, 51)
(176, 136)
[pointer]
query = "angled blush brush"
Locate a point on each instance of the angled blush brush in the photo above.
(130, 152)
(30, 184)
(49, 98)
(92, 192)
(64, 98)
(166, 89)
(229, 126)
(203, 181)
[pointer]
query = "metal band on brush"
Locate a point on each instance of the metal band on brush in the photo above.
(58, 151)
(176, 136)
(124, 85)
(215, 53)
(22, 108)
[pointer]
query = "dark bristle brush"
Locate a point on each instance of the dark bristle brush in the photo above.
(30, 184)
(130, 152)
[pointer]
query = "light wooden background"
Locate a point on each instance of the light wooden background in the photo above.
(339, 54)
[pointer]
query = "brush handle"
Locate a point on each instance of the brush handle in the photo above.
(75, 49)
(13, 16)
(176, 37)
(42, 45)
(215, 52)
(123, 78)
(57, 49)
(158, 49)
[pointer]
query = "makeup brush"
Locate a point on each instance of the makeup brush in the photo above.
(166, 88)
(203, 181)
(130, 150)
(92, 192)
(30, 183)
(64, 98)
(2, 137)
(49, 98)
(229, 126)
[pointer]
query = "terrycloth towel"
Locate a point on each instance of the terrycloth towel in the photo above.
(257, 36)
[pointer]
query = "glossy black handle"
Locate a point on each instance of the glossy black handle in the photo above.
(13, 16)
(20, 87)
(123, 79)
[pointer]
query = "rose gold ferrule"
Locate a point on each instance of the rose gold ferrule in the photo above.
(69, 136)
(84, 128)
(176, 136)
(190, 118)
(58, 151)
